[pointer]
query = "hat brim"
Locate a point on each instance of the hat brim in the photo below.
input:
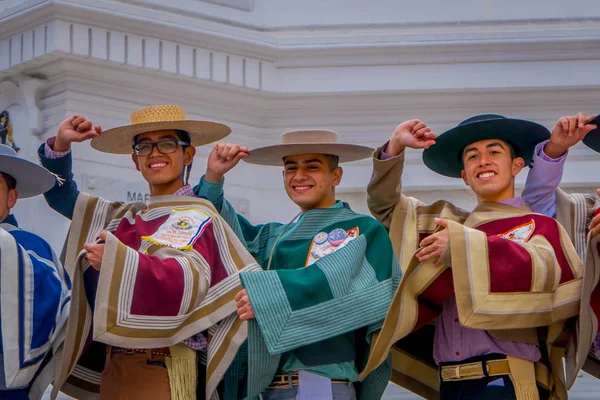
(273, 155)
(445, 156)
(592, 139)
(32, 179)
(119, 140)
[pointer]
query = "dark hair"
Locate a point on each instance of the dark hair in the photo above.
(511, 150)
(181, 135)
(185, 137)
(333, 161)
(10, 181)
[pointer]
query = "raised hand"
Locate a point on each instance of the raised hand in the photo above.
(222, 158)
(567, 132)
(76, 128)
(412, 133)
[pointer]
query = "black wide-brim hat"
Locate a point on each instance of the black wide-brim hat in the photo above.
(445, 156)
(592, 139)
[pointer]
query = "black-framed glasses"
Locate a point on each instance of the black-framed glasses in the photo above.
(164, 147)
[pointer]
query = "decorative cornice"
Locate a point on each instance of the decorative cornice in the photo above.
(402, 43)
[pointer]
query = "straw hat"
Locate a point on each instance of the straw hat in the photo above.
(445, 156)
(308, 141)
(156, 118)
(592, 139)
(32, 179)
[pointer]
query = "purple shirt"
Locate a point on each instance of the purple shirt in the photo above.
(544, 177)
(453, 342)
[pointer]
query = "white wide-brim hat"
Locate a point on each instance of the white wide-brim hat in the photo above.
(308, 141)
(157, 118)
(32, 179)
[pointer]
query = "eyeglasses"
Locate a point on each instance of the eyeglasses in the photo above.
(164, 147)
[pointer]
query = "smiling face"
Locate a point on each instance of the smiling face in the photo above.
(310, 180)
(490, 169)
(163, 172)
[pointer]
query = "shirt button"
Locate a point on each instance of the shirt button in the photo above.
(455, 319)
(458, 353)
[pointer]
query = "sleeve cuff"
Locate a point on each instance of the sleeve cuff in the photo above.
(50, 153)
(210, 190)
(539, 152)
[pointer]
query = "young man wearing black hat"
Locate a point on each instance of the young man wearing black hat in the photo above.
(501, 280)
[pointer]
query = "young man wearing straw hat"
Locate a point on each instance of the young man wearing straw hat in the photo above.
(328, 275)
(34, 288)
(147, 278)
(505, 284)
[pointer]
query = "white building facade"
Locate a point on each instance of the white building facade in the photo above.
(267, 66)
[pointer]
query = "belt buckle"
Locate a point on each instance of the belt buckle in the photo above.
(457, 372)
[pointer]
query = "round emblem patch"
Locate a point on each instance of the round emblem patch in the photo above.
(183, 224)
(321, 237)
(337, 236)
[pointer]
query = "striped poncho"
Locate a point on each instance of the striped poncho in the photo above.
(318, 304)
(514, 273)
(171, 269)
(34, 305)
(574, 212)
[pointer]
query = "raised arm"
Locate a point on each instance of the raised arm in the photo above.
(385, 188)
(549, 160)
(221, 160)
(55, 155)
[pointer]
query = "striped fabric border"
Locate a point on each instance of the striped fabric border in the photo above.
(480, 308)
(114, 323)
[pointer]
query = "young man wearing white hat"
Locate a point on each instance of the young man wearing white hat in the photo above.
(505, 284)
(148, 278)
(34, 288)
(327, 281)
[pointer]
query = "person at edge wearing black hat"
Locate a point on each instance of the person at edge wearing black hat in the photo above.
(490, 298)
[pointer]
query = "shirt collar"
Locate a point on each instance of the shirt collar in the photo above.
(185, 191)
(516, 202)
(10, 220)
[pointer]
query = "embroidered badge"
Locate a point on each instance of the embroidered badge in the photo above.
(327, 243)
(321, 237)
(337, 237)
(181, 230)
(521, 233)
